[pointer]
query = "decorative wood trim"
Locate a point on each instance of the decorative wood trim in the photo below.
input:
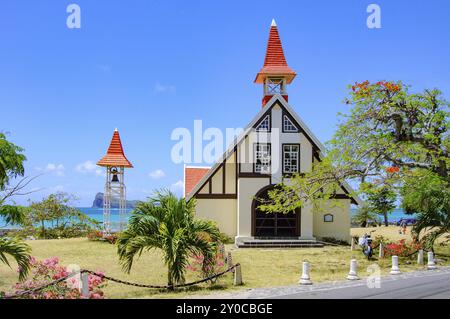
(216, 196)
(253, 175)
(268, 113)
(286, 113)
(210, 185)
(224, 176)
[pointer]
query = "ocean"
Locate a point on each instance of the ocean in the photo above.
(97, 214)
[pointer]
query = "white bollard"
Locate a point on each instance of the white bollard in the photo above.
(85, 285)
(353, 275)
(381, 254)
(431, 264)
(305, 278)
(395, 270)
(420, 257)
(237, 276)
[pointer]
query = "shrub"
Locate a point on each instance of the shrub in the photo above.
(225, 239)
(401, 248)
(97, 235)
(207, 269)
(43, 272)
(336, 241)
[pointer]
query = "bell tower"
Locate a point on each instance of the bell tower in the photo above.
(275, 73)
(115, 163)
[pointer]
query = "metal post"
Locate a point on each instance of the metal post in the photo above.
(381, 253)
(229, 260)
(237, 276)
(420, 257)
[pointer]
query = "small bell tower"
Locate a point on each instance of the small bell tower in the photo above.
(115, 163)
(275, 74)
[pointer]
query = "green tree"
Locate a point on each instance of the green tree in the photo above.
(55, 214)
(167, 223)
(11, 166)
(428, 196)
(11, 161)
(381, 200)
(364, 215)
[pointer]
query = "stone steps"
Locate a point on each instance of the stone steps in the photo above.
(259, 243)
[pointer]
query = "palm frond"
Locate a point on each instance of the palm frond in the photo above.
(19, 251)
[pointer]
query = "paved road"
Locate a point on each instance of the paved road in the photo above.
(411, 285)
(428, 285)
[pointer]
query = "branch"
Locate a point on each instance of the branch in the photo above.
(16, 190)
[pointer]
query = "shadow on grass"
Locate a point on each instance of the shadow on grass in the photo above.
(178, 292)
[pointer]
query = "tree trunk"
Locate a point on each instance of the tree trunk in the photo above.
(43, 229)
(386, 222)
(169, 281)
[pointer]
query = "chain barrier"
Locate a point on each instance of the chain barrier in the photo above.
(119, 281)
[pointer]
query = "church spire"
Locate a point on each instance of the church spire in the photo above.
(275, 73)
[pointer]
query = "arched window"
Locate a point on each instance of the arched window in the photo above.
(328, 218)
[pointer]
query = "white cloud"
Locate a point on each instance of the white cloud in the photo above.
(177, 187)
(89, 167)
(157, 174)
(160, 88)
(55, 169)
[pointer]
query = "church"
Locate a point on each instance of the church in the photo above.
(274, 145)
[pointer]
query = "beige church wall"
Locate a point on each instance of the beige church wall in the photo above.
(340, 227)
(245, 156)
(217, 181)
(306, 222)
(230, 175)
(247, 189)
(204, 189)
(221, 211)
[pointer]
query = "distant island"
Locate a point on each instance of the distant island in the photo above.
(98, 202)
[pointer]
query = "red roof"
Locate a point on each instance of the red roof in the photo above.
(193, 175)
(275, 63)
(115, 155)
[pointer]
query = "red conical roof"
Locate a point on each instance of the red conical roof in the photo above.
(115, 155)
(275, 63)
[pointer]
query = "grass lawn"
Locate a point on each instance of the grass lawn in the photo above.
(260, 267)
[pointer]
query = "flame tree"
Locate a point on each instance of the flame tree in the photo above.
(392, 138)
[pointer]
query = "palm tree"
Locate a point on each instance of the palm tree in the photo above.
(167, 223)
(364, 215)
(19, 251)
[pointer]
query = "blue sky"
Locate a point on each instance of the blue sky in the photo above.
(148, 67)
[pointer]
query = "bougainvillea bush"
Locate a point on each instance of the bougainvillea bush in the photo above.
(207, 269)
(401, 248)
(49, 270)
